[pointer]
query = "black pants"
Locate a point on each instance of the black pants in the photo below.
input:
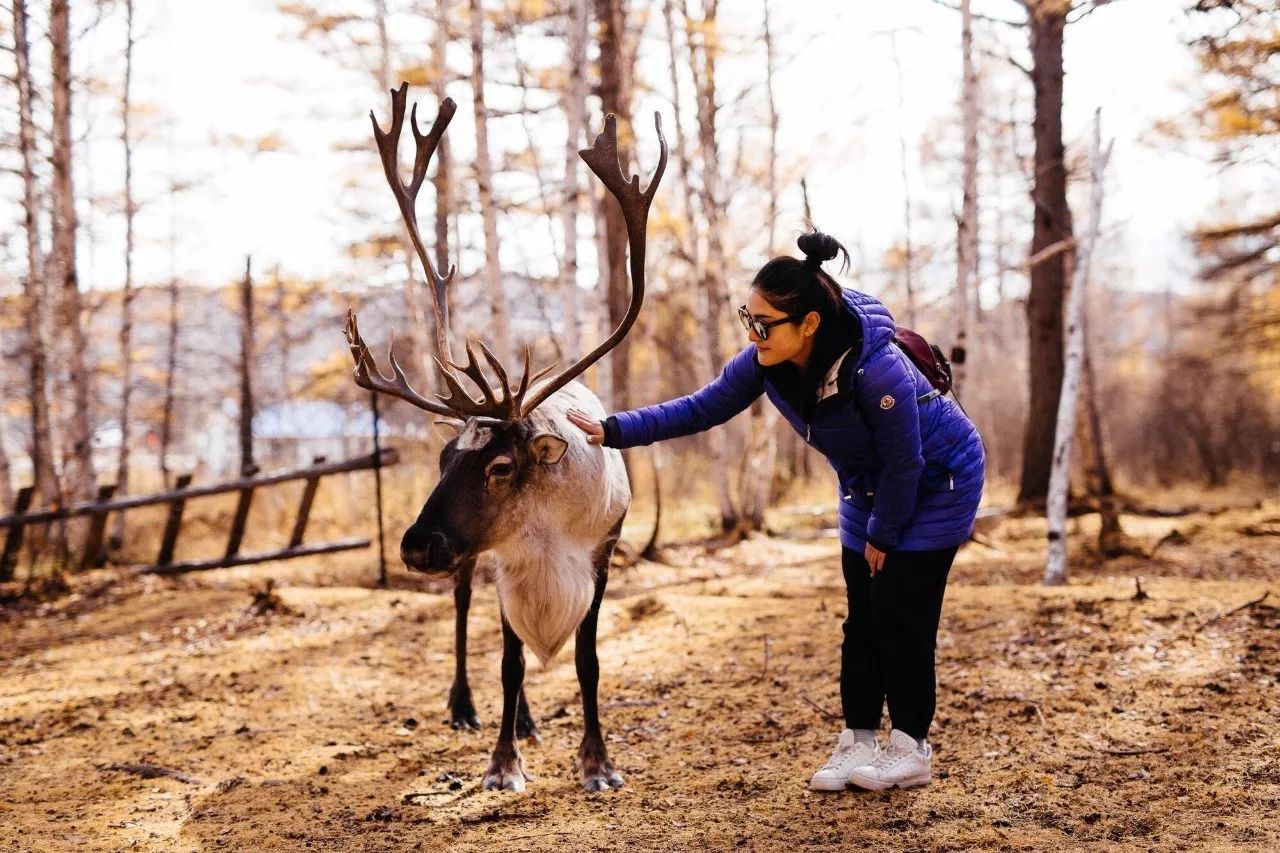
(890, 636)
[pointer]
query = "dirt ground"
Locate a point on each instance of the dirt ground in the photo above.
(169, 716)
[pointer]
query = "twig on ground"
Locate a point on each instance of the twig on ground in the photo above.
(1139, 593)
(498, 814)
(1141, 750)
(821, 710)
(629, 703)
(1221, 616)
(153, 771)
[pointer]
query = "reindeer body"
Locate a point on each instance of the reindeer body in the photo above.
(546, 571)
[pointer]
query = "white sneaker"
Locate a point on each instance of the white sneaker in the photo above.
(834, 775)
(901, 764)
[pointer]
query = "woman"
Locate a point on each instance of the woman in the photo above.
(910, 467)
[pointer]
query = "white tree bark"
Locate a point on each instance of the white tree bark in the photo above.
(1055, 570)
(491, 276)
(575, 111)
(79, 477)
(126, 296)
(967, 225)
(908, 246)
(34, 292)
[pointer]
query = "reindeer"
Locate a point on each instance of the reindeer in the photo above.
(518, 480)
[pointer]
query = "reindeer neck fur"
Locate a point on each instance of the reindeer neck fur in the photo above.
(546, 564)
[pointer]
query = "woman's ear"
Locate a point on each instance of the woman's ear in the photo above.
(809, 325)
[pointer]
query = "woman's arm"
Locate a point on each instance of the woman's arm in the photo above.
(737, 386)
(887, 397)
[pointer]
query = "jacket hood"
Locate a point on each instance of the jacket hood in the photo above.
(876, 321)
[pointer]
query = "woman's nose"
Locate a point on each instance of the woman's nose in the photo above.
(753, 337)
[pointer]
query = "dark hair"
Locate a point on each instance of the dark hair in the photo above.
(794, 286)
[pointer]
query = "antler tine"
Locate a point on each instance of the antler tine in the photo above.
(406, 194)
(602, 158)
(368, 376)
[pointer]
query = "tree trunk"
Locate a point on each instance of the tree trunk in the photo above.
(703, 53)
(967, 231)
(908, 246)
(79, 474)
(34, 292)
(1055, 570)
(1046, 21)
(575, 110)
(615, 97)
(491, 278)
(247, 464)
(126, 295)
(170, 374)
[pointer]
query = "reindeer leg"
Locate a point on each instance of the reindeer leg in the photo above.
(506, 770)
(598, 772)
(526, 726)
(462, 711)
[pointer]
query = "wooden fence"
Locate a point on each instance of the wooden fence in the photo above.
(97, 511)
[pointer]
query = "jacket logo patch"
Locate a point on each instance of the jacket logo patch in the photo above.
(886, 402)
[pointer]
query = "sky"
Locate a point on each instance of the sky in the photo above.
(234, 69)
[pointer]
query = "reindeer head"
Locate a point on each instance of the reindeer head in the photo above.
(501, 451)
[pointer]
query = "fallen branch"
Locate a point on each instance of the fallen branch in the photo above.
(821, 710)
(1232, 611)
(153, 771)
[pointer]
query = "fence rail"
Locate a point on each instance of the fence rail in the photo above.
(94, 553)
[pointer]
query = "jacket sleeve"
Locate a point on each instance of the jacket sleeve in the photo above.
(737, 386)
(887, 397)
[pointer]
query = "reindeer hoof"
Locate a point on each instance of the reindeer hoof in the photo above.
(506, 772)
(604, 781)
(527, 729)
(464, 720)
(462, 711)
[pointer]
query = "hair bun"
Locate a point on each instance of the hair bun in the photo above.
(818, 248)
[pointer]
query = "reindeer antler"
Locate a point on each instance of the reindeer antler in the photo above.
(407, 194)
(602, 158)
(369, 377)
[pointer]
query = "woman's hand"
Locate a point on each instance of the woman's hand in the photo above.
(875, 558)
(591, 426)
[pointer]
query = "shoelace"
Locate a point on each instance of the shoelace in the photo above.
(839, 757)
(888, 757)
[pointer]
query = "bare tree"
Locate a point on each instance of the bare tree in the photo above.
(247, 350)
(575, 110)
(704, 50)
(967, 223)
(492, 272)
(908, 245)
(126, 294)
(34, 291)
(615, 97)
(442, 181)
(78, 470)
(1055, 571)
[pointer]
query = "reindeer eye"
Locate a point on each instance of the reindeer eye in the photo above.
(501, 469)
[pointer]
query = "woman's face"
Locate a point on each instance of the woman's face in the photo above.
(792, 341)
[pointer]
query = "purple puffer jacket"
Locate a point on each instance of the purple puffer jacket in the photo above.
(910, 473)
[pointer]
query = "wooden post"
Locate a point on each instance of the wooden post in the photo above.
(13, 541)
(174, 523)
(304, 508)
(242, 515)
(93, 555)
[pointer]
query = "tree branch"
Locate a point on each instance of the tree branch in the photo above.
(977, 17)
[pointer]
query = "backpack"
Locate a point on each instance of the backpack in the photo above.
(929, 360)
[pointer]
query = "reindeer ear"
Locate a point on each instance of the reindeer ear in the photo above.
(548, 448)
(448, 430)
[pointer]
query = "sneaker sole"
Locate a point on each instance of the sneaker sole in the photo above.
(829, 786)
(913, 782)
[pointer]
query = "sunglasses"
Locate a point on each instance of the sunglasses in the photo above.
(752, 323)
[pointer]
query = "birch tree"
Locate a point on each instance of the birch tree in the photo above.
(34, 292)
(126, 295)
(491, 274)
(1055, 570)
(967, 223)
(78, 469)
(575, 111)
